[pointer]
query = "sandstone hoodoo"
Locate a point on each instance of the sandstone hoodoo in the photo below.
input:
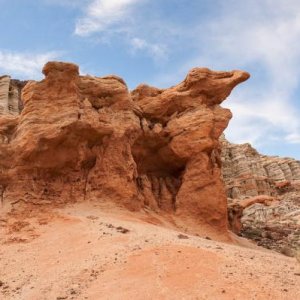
(88, 138)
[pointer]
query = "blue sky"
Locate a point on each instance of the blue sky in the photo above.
(158, 41)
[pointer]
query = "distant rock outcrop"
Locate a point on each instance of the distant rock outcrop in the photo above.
(263, 196)
(10, 96)
(84, 138)
(247, 173)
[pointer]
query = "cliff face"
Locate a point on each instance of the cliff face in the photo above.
(247, 173)
(10, 96)
(88, 138)
(263, 196)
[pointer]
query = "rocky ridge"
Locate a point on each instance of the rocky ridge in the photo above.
(87, 138)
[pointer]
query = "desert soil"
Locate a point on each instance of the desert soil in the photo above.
(96, 251)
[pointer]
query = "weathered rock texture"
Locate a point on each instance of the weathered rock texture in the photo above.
(263, 197)
(247, 173)
(276, 225)
(10, 96)
(85, 138)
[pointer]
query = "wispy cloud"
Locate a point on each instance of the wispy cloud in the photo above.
(22, 65)
(264, 34)
(124, 20)
(103, 15)
(293, 138)
(157, 51)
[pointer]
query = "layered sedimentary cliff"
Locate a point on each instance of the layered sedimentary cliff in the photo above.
(247, 173)
(88, 138)
(263, 196)
(10, 96)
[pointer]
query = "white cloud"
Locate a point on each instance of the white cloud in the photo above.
(157, 51)
(102, 15)
(293, 138)
(268, 38)
(24, 65)
(126, 21)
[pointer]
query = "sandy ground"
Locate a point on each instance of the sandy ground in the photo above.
(89, 251)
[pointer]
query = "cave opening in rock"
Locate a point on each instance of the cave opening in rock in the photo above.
(159, 170)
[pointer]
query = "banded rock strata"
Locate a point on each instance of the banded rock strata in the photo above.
(263, 197)
(247, 173)
(10, 96)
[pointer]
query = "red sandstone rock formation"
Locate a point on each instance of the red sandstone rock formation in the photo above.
(88, 138)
